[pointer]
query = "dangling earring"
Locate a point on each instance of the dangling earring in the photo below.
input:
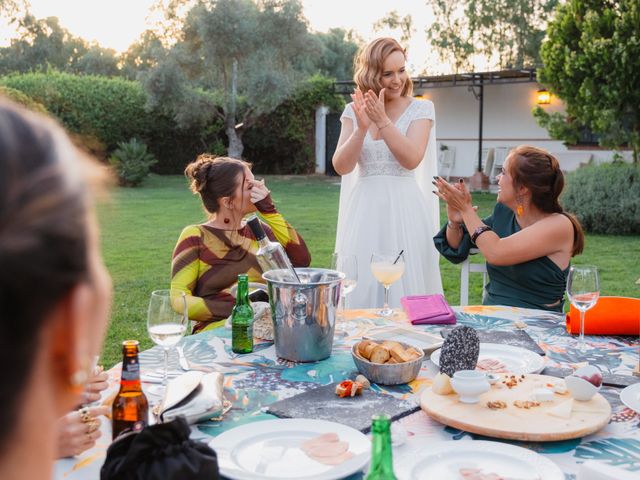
(230, 207)
(520, 207)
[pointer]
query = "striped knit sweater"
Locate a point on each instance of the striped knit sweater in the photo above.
(207, 261)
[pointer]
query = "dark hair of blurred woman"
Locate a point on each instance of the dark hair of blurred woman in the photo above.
(54, 289)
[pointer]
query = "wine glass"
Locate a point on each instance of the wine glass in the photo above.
(583, 290)
(167, 321)
(387, 269)
(347, 264)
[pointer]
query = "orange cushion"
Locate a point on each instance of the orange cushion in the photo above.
(609, 316)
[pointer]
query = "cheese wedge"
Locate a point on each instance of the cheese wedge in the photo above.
(562, 410)
(442, 384)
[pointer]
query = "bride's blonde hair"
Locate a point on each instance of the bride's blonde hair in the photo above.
(369, 64)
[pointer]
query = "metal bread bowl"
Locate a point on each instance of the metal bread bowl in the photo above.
(388, 374)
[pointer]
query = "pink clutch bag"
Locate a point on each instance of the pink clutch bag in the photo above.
(428, 309)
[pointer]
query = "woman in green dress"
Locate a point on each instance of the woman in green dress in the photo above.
(529, 239)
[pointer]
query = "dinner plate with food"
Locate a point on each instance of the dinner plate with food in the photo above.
(496, 358)
(303, 449)
(478, 460)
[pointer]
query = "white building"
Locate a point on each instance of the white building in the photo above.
(508, 99)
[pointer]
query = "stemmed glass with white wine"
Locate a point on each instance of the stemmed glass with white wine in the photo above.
(167, 321)
(347, 264)
(583, 290)
(387, 269)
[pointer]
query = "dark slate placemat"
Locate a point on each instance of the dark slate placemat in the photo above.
(322, 403)
(609, 379)
(516, 338)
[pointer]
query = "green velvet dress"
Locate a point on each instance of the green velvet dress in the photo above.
(538, 283)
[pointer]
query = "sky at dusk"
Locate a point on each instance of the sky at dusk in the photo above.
(118, 23)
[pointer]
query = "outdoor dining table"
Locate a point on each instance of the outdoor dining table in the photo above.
(254, 381)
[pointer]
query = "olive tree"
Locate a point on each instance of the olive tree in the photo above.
(233, 59)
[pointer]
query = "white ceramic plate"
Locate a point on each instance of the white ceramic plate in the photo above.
(443, 460)
(270, 450)
(630, 396)
(518, 360)
(428, 342)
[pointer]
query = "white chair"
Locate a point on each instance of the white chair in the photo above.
(446, 162)
(499, 156)
(468, 267)
(487, 160)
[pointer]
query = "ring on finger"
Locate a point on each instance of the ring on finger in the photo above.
(85, 416)
(93, 426)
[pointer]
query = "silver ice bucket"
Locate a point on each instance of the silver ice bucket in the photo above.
(304, 314)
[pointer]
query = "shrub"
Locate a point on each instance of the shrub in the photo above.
(284, 141)
(102, 112)
(605, 198)
(24, 100)
(131, 162)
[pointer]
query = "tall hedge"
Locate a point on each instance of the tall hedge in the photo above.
(605, 198)
(283, 142)
(108, 108)
(24, 100)
(102, 112)
(110, 111)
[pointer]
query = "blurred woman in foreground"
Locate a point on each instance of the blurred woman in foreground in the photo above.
(54, 289)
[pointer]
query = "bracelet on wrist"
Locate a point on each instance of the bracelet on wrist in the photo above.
(454, 225)
(385, 125)
(479, 231)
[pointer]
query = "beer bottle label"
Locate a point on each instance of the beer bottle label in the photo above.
(130, 369)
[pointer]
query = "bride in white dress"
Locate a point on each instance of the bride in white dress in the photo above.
(386, 156)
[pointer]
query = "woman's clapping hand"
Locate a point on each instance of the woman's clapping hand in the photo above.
(374, 108)
(457, 197)
(359, 108)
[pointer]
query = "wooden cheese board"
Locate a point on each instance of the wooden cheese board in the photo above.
(533, 424)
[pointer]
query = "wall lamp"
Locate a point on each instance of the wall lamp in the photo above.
(544, 97)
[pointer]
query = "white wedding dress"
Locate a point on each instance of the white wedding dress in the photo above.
(385, 208)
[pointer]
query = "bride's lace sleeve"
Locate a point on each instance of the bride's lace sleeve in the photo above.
(350, 114)
(425, 109)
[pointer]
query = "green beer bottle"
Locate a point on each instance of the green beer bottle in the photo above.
(381, 466)
(242, 319)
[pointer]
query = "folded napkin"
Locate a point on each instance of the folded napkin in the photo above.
(428, 309)
(609, 316)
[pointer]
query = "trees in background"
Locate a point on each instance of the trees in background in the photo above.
(333, 56)
(503, 33)
(592, 62)
(393, 20)
(243, 52)
(216, 64)
(44, 43)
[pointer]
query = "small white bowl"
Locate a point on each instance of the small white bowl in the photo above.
(469, 385)
(581, 389)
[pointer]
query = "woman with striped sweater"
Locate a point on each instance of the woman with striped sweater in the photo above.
(209, 256)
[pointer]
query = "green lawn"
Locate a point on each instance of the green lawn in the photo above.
(140, 227)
